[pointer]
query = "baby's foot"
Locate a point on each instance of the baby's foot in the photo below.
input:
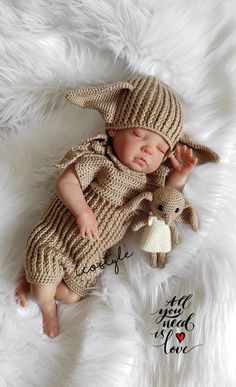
(22, 290)
(50, 322)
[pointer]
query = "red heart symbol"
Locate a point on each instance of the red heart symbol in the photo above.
(180, 336)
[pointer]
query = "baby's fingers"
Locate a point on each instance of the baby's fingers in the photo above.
(181, 152)
(189, 158)
(82, 231)
(85, 231)
(190, 152)
(88, 232)
(92, 232)
(95, 233)
(175, 162)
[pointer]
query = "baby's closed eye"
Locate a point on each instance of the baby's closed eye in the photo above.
(138, 133)
(162, 148)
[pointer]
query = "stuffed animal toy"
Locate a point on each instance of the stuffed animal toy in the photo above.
(160, 234)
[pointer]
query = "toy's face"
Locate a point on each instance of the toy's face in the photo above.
(139, 149)
(167, 204)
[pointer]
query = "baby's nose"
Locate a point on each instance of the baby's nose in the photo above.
(147, 149)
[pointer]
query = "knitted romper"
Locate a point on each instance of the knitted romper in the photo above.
(55, 249)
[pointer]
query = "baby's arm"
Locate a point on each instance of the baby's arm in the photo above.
(69, 191)
(183, 163)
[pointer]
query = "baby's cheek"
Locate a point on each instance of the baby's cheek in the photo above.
(129, 150)
(158, 159)
(125, 154)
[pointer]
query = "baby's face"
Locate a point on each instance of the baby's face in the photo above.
(139, 149)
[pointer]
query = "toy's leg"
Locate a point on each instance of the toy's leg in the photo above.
(23, 289)
(161, 260)
(153, 259)
(44, 296)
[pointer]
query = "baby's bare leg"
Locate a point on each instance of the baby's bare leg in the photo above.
(23, 289)
(63, 292)
(45, 297)
(66, 295)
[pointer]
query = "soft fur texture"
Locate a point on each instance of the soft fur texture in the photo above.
(48, 47)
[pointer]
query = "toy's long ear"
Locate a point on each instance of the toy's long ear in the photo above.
(189, 216)
(104, 99)
(202, 152)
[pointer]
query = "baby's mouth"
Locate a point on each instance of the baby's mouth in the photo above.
(141, 161)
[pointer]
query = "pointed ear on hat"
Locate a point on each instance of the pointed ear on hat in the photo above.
(189, 216)
(202, 152)
(104, 99)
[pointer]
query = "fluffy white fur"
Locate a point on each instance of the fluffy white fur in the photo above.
(48, 47)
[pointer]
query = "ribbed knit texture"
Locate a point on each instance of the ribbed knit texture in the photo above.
(143, 102)
(55, 249)
(151, 105)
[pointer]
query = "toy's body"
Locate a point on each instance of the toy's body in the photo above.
(55, 248)
(156, 236)
(160, 234)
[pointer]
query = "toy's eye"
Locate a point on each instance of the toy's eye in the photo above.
(160, 207)
(177, 210)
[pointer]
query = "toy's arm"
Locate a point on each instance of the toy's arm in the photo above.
(157, 179)
(139, 223)
(135, 203)
(176, 240)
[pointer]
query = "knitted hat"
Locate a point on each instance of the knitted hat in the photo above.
(143, 102)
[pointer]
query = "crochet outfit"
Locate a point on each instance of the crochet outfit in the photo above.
(55, 249)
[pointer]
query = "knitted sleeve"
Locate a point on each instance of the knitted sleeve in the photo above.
(88, 158)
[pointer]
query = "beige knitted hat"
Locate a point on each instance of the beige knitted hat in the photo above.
(143, 102)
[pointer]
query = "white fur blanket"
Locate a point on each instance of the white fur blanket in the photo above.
(120, 336)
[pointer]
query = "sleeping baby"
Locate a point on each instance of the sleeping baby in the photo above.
(102, 187)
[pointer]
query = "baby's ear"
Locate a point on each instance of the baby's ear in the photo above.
(112, 133)
(201, 152)
(189, 216)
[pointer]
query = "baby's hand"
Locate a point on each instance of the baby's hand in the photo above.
(183, 161)
(86, 220)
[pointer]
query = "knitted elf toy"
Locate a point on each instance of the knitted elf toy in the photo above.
(55, 248)
(160, 234)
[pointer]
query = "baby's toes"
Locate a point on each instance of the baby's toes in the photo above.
(51, 329)
(21, 296)
(22, 299)
(50, 321)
